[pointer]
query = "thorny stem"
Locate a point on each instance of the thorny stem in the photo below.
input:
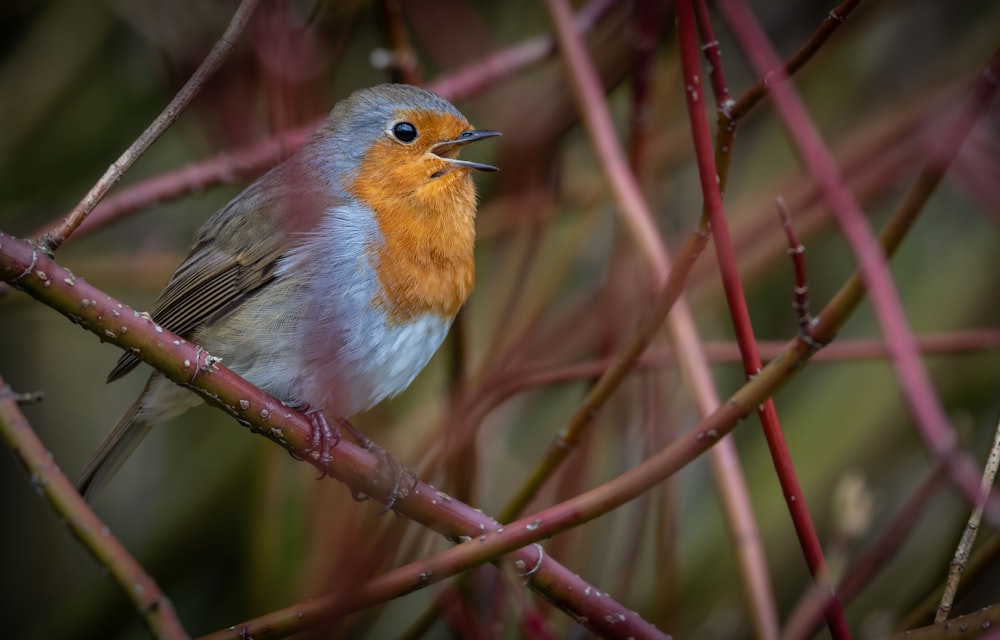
(796, 250)
(25, 266)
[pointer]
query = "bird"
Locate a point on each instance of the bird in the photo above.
(331, 280)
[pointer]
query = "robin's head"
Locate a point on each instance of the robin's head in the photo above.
(394, 149)
(403, 140)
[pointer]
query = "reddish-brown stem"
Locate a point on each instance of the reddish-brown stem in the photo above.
(534, 374)
(796, 250)
(730, 113)
(138, 587)
(648, 18)
(792, 491)
(915, 383)
(212, 62)
(837, 16)
(25, 266)
(808, 614)
(713, 56)
(222, 169)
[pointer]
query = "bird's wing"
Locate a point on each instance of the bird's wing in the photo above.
(235, 254)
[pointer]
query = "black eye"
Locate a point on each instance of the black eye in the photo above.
(404, 132)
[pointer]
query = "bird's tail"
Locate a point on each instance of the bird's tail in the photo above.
(113, 452)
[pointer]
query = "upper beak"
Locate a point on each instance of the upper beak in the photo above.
(448, 150)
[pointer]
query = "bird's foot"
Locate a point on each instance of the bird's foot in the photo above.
(324, 438)
(389, 467)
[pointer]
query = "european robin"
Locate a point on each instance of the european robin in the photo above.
(332, 279)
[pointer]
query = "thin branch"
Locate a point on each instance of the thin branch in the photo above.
(230, 166)
(969, 534)
(800, 292)
(740, 315)
(26, 267)
(713, 56)
(531, 375)
(219, 53)
(807, 616)
(138, 587)
(684, 333)
(833, 21)
(224, 168)
(730, 113)
(589, 93)
(972, 625)
(923, 401)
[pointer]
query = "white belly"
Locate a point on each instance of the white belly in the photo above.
(332, 346)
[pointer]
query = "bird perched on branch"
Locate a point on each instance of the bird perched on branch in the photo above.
(331, 280)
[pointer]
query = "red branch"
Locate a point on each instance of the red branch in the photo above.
(794, 497)
(797, 250)
(914, 381)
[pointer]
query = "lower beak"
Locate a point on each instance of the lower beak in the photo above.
(449, 149)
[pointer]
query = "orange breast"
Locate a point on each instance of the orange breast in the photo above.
(425, 264)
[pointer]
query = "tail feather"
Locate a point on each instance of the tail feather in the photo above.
(159, 401)
(113, 452)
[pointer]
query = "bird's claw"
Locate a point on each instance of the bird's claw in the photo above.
(388, 466)
(324, 438)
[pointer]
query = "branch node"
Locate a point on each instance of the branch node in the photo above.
(538, 565)
(800, 291)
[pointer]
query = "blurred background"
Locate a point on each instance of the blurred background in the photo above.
(231, 527)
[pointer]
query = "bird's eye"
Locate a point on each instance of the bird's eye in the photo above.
(404, 132)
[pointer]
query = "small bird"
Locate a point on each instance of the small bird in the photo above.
(331, 280)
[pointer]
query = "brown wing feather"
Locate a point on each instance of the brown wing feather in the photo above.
(235, 253)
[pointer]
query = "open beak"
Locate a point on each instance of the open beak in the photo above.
(449, 149)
